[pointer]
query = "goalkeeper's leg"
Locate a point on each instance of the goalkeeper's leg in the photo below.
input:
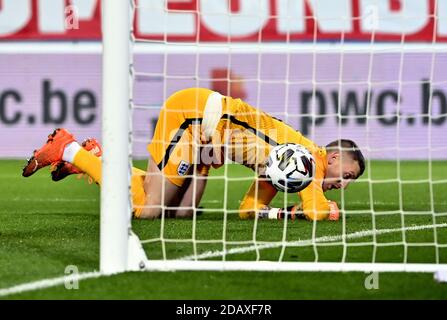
(91, 164)
(151, 191)
(62, 146)
(148, 195)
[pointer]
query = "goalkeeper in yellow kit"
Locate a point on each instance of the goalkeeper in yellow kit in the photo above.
(199, 129)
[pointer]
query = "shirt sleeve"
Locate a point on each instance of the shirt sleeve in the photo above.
(259, 195)
(314, 204)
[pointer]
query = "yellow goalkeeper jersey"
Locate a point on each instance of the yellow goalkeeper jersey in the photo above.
(195, 118)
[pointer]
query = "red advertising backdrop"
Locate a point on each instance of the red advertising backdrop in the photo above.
(234, 20)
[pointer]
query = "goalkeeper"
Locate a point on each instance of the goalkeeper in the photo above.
(198, 129)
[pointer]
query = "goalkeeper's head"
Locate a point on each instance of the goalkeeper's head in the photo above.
(345, 163)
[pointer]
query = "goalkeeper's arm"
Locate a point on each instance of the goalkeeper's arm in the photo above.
(314, 205)
(193, 193)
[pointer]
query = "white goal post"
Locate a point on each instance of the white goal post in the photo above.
(117, 243)
(120, 248)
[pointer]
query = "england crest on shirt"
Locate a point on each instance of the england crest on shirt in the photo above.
(183, 168)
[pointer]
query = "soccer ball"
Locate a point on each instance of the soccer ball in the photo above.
(290, 167)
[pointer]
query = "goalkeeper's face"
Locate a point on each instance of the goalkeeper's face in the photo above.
(341, 171)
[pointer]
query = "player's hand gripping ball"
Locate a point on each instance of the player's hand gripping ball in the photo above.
(290, 167)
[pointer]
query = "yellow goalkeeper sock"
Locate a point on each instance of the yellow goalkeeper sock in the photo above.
(91, 165)
(88, 163)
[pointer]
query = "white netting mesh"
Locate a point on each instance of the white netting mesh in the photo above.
(389, 97)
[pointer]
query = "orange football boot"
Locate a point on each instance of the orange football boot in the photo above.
(51, 152)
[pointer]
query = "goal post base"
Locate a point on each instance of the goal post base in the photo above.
(441, 276)
(137, 259)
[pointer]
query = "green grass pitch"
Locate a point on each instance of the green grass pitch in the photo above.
(46, 226)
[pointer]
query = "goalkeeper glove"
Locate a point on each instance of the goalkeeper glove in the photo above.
(334, 212)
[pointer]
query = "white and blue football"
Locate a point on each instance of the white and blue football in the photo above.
(290, 167)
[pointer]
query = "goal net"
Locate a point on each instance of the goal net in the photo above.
(359, 70)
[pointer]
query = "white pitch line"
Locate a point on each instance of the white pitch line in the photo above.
(47, 283)
(19, 199)
(210, 201)
(308, 242)
(52, 282)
